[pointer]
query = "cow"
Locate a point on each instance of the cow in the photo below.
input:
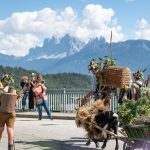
(100, 116)
(108, 120)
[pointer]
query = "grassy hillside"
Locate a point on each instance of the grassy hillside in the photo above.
(53, 81)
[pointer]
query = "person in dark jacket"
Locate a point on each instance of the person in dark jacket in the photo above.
(31, 93)
(25, 88)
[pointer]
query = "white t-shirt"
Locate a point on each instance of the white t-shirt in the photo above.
(6, 88)
(139, 82)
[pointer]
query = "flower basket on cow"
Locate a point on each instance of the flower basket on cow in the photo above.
(97, 120)
(109, 78)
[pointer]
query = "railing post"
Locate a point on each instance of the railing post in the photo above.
(64, 91)
(64, 100)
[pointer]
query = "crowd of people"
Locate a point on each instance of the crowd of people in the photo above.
(34, 89)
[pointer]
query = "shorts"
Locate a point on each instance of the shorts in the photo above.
(8, 119)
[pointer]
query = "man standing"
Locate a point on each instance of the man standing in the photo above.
(7, 118)
(31, 93)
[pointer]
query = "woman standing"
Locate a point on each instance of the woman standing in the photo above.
(40, 96)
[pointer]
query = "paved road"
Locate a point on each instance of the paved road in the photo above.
(32, 134)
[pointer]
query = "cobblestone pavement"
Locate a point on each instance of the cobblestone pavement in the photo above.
(32, 134)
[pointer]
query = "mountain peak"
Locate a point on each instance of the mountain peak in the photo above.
(71, 55)
(54, 47)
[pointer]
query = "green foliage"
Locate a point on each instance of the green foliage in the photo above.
(110, 62)
(53, 81)
(67, 80)
(95, 66)
(132, 109)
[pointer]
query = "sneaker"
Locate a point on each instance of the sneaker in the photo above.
(31, 110)
(35, 109)
(11, 147)
(39, 118)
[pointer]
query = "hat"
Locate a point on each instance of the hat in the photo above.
(7, 79)
(93, 66)
(138, 74)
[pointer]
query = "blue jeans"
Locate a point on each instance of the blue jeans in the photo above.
(24, 98)
(45, 105)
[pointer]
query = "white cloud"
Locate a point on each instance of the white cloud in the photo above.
(98, 21)
(143, 29)
(95, 15)
(22, 31)
(17, 44)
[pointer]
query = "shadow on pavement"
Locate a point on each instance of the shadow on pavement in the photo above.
(50, 144)
(50, 124)
(28, 120)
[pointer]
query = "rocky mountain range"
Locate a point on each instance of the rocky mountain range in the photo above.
(71, 55)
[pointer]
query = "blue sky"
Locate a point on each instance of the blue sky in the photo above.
(128, 19)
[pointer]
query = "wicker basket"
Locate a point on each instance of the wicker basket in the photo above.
(7, 102)
(138, 131)
(117, 76)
